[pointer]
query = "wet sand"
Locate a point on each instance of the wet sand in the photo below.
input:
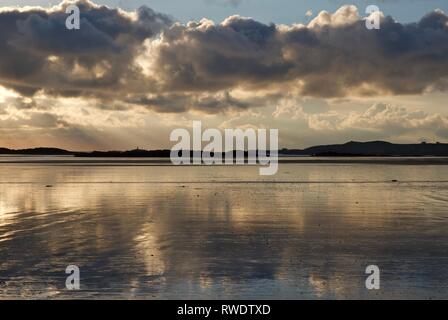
(223, 232)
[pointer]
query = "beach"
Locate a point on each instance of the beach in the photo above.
(139, 229)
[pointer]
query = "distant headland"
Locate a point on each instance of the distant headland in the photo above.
(349, 149)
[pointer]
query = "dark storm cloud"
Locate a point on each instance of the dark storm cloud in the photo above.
(327, 59)
(37, 51)
(214, 103)
(204, 56)
(196, 65)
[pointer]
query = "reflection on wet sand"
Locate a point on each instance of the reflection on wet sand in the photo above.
(164, 232)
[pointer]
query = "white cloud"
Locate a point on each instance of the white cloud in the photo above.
(345, 15)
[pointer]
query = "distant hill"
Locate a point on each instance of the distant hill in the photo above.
(352, 148)
(373, 148)
(36, 151)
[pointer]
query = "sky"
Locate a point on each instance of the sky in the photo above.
(266, 11)
(310, 69)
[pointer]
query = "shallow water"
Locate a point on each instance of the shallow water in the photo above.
(160, 232)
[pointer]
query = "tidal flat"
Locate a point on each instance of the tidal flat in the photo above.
(223, 232)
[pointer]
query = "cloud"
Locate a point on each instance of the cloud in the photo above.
(33, 120)
(344, 16)
(211, 103)
(38, 53)
(395, 120)
(142, 58)
(335, 55)
(381, 118)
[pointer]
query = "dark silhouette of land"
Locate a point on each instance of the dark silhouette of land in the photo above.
(36, 151)
(349, 149)
(372, 149)
(136, 153)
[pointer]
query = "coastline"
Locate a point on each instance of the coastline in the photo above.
(70, 160)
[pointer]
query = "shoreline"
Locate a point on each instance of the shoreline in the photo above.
(281, 160)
